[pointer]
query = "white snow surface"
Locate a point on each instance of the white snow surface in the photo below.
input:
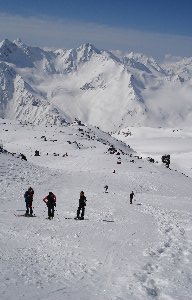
(120, 251)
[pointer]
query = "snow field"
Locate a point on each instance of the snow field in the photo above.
(120, 251)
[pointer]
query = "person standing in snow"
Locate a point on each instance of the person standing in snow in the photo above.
(29, 201)
(50, 201)
(131, 197)
(106, 188)
(81, 208)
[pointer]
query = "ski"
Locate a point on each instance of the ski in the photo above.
(24, 215)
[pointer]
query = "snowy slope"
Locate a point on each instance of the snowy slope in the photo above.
(119, 251)
(18, 100)
(96, 86)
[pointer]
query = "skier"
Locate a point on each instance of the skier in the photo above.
(106, 188)
(81, 208)
(29, 200)
(131, 197)
(50, 201)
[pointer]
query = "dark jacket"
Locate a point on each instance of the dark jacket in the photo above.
(50, 200)
(28, 196)
(82, 201)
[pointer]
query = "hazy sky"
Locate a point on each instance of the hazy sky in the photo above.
(152, 27)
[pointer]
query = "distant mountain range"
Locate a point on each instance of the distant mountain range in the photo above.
(99, 87)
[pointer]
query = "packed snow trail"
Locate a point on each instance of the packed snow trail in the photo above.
(163, 274)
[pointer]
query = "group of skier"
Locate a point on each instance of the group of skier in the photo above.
(50, 201)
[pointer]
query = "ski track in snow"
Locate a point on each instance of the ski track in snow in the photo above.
(171, 257)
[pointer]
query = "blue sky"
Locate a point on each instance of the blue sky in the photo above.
(155, 28)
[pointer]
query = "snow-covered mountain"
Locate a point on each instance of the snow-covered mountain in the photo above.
(182, 67)
(95, 86)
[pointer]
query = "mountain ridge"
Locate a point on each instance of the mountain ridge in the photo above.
(93, 85)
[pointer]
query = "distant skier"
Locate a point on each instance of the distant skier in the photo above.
(50, 201)
(131, 197)
(106, 188)
(81, 208)
(29, 201)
